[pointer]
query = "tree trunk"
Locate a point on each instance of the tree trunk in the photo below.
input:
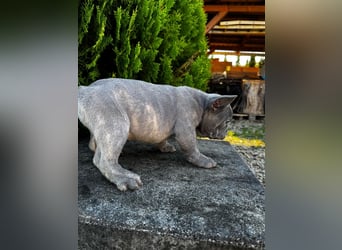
(253, 97)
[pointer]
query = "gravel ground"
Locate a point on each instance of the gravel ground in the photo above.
(253, 156)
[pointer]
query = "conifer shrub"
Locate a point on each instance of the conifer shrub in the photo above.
(159, 41)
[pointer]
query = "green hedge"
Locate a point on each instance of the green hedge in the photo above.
(157, 41)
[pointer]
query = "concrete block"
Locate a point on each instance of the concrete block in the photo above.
(180, 206)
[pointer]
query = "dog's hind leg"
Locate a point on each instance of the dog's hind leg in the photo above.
(92, 143)
(110, 138)
(109, 127)
(166, 147)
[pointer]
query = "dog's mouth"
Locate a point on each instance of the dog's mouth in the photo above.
(202, 133)
(210, 135)
(216, 137)
(199, 133)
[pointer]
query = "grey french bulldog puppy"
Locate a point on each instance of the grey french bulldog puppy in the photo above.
(116, 110)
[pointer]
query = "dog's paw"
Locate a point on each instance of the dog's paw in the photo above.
(207, 163)
(166, 147)
(202, 161)
(132, 182)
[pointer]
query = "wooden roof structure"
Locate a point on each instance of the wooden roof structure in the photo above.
(237, 25)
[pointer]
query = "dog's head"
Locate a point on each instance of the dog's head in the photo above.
(216, 116)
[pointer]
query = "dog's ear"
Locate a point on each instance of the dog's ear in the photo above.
(221, 101)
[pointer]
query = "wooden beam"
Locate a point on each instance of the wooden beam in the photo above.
(218, 17)
(215, 8)
(238, 33)
(234, 53)
(235, 8)
(237, 1)
(222, 44)
(224, 9)
(237, 46)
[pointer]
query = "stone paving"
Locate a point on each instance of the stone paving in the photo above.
(180, 206)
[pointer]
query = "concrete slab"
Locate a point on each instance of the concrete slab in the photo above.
(179, 207)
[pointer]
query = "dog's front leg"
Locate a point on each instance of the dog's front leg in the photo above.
(186, 138)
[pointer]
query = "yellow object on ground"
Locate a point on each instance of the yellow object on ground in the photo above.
(235, 140)
(239, 141)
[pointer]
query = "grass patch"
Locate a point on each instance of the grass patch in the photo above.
(251, 136)
(251, 133)
(247, 136)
